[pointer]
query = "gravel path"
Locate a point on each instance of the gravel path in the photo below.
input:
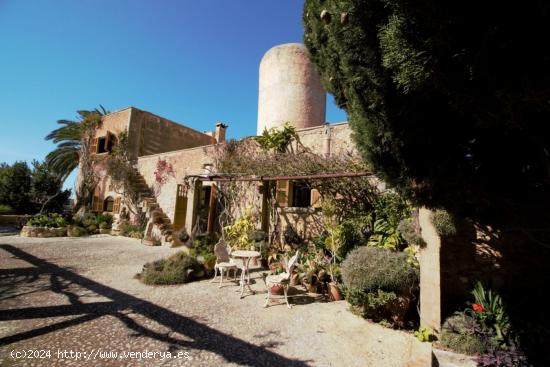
(79, 295)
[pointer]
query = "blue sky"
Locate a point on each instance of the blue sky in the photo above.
(194, 62)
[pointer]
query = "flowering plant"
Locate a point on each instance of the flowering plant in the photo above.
(478, 307)
(164, 169)
(490, 312)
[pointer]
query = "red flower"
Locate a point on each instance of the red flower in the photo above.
(478, 307)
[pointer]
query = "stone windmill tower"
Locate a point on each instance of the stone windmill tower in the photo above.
(290, 89)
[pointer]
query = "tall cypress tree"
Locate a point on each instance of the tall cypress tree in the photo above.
(449, 101)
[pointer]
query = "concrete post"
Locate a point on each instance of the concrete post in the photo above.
(430, 273)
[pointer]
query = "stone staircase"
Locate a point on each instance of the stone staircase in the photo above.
(158, 221)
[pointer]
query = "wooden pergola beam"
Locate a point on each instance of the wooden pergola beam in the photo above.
(320, 176)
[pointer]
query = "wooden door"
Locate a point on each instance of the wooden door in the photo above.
(181, 208)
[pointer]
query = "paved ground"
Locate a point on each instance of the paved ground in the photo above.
(79, 295)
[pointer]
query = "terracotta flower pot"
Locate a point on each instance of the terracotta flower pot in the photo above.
(277, 289)
(334, 292)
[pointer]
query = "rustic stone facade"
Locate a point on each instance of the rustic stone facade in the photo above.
(43, 232)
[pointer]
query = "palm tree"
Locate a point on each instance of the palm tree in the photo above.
(73, 141)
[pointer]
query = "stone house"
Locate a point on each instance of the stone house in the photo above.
(289, 90)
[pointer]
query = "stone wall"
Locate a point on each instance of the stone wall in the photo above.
(43, 232)
(12, 219)
(305, 221)
(158, 135)
(184, 162)
(334, 138)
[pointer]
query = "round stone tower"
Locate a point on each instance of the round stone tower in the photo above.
(290, 89)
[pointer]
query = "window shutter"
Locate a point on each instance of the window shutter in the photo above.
(93, 145)
(116, 205)
(108, 142)
(315, 198)
(96, 204)
(284, 193)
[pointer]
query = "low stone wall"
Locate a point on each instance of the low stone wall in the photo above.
(14, 220)
(28, 231)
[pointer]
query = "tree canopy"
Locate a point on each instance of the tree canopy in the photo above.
(448, 101)
(74, 140)
(29, 191)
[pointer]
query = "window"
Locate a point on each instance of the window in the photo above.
(104, 144)
(108, 204)
(301, 195)
(296, 194)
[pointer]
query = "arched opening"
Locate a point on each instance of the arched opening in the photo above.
(108, 204)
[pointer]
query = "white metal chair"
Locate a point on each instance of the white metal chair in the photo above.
(282, 279)
(223, 261)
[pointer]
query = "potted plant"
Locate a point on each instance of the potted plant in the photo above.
(334, 292)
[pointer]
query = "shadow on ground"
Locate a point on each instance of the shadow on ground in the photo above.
(64, 281)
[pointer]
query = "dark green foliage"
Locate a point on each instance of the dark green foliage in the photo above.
(444, 223)
(6, 209)
(277, 139)
(178, 268)
(104, 218)
(410, 233)
(51, 220)
(391, 208)
(46, 194)
(203, 244)
(369, 269)
(353, 232)
(448, 101)
(69, 138)
(28, 191)
(15, 184)
(460, 333)
(379, 283)
(93, 222)
(131, 230)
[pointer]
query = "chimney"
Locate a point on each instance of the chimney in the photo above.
(219, 134)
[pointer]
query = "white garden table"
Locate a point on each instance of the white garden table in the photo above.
(245, 256)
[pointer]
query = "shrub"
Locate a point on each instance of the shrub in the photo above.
(6, 209)
(76, 231)
(369, 269)
(131, 230)
(353, 232)
(104, 218)
(460, 333)
(81, 219)
(490, 312)
(51, 220)
(176, 269)
(378, 283)
(104, 225)
(444, 223)
(409, 232)
(92, 228)
(204, 244)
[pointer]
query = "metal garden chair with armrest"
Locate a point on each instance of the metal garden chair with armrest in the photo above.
(282, 279)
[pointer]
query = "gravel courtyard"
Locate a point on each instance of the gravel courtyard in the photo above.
(80, 295)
